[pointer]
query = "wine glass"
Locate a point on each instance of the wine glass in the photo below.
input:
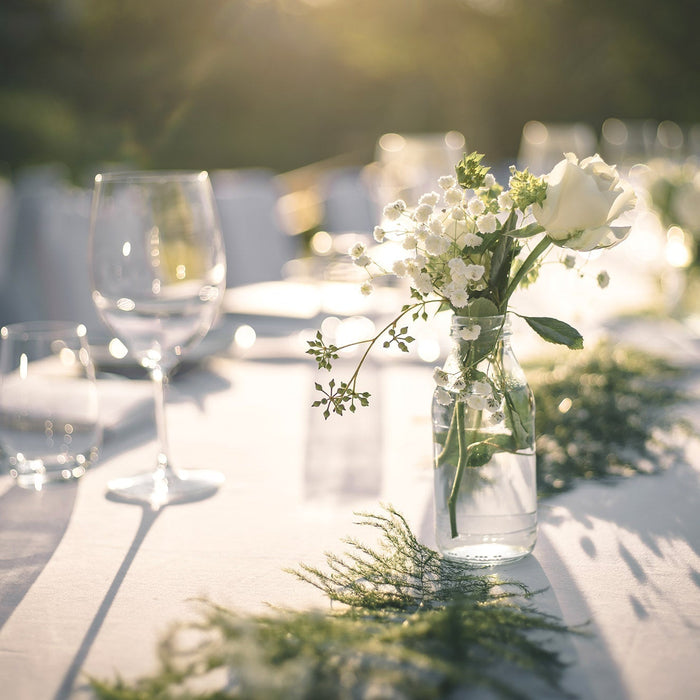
(158, 272)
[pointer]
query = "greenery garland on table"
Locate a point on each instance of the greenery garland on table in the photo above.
(412, 624)
(604, 413)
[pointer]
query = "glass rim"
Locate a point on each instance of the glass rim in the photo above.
(152, 176)
(43, 329)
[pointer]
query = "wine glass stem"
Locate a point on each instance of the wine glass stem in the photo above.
(160, 382)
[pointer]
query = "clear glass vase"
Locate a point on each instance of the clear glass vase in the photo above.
(484, 447)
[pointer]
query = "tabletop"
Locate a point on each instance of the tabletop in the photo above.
(89, 585)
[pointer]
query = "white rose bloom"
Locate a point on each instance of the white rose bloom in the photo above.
(453, 196)
(443, 396)
(422, 213)
(447, 182)
(394, 210)
(366, 288)
(476, 206)
(470, 333)
(436, 245)
(487, 223)
(379, 234)
(430, 198)
(440, 377)
(583, 200)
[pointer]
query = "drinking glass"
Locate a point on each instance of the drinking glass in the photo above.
(158, 278)
(49, 422)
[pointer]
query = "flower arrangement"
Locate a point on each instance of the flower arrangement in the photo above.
(673, 191)
(469, 247)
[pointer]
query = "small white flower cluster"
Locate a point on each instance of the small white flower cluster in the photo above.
(441, 236)
(478, 395)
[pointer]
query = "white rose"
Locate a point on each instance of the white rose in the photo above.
(583, 199)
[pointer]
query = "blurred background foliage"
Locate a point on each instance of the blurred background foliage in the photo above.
(283, 83)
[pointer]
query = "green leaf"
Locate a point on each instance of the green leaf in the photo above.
(525, 231)
(482, 307)
(555, 331)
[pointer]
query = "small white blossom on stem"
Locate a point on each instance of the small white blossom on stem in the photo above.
(456, 294)
(487, 223)
(379, 234)
(475, 272)
(423, 283)
(443, 396)
(470, 333)
(357, 250)
(476, 206)
(505, 201)
(453, 196)
(409, 242)
(366, 288)
(394, 210)
(458, 214)
(489, 181)
(362, 261)
(430, 198)
(471, 240)
(447, 182)
(422, 213)
(399, 268)
(482, 389)
(436, 245)
(440, 377)
(476, 402)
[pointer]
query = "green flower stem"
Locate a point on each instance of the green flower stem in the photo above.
(531, 259)
(462, 462)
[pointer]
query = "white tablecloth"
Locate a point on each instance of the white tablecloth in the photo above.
(88, 586)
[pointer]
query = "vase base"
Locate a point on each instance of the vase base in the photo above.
(486, 554)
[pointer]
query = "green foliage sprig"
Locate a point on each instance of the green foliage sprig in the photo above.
(603, 413)
(415, 626)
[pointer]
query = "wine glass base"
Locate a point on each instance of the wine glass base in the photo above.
(156, 491)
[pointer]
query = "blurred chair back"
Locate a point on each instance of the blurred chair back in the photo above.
(257, 245)
(542, 146)
(409, 164)
(62, 259)
(7, 219)
(627, 142)
(48, 276)
(346, 201)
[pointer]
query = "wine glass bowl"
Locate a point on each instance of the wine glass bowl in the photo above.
(158, 271)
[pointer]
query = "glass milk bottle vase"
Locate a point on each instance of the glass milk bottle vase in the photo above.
(484, 447)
